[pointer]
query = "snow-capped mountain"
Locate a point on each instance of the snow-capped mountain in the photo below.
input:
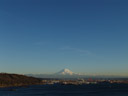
(65, 72)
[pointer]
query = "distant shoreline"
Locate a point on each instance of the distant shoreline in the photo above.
(18, 86)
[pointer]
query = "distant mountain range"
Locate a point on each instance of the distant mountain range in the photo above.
(66, 73)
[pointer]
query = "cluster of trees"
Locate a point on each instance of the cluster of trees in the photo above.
(7, 80)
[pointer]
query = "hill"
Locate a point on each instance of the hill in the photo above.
(7, 80)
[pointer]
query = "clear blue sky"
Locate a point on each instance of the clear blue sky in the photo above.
(45, 36)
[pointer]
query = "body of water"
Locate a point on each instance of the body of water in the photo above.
(66, 90)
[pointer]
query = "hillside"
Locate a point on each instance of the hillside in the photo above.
(7, 80)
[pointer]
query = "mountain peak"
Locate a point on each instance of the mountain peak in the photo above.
(65, 72)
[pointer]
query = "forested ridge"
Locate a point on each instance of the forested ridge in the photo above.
(7, 80)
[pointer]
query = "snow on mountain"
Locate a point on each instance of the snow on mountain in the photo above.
(65, 72)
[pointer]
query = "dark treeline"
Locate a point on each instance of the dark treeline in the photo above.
(7, 80)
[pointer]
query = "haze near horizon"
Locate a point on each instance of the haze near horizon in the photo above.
(45, 36)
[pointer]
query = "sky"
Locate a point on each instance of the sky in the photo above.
(45, 36)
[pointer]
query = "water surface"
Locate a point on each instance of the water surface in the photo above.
(66, 90)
